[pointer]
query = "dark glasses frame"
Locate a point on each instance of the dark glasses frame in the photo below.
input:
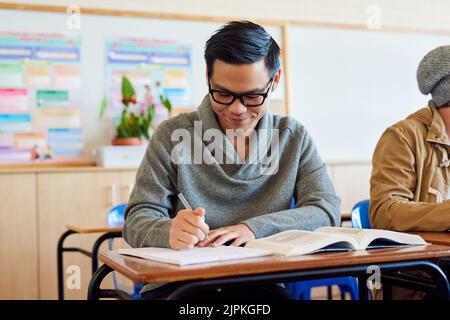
(240, 96)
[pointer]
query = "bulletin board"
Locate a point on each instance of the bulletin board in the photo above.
(155, 67)
(39, 97)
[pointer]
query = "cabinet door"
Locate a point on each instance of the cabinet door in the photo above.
(128, 179)
(81, 198)
(18, 237)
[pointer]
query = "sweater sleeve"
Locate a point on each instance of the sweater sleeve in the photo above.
(316, 203)
(150, 208)
(392, 184)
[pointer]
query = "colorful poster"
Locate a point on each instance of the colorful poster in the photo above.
(11, 155)
(15, 123)
(14, 100)
(30, 140)
(66, 142)
(51, 118)
(155, 67)
(66, 77)
(11, 75)
(37, 76)
(39, 93)
(52, 98)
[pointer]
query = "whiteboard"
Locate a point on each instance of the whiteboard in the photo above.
(348, 86)
(93, 32)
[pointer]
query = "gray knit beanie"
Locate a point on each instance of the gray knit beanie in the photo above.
(433, 75)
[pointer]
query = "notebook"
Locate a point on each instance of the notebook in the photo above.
(195, 255)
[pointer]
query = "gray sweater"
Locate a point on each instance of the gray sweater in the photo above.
(231, 193)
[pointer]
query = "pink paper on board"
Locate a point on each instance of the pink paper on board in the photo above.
(13, 100)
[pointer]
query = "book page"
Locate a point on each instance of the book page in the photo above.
(375, 237)
(294, 237)
(297, 242)
(357, 234)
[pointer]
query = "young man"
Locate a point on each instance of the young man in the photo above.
(238, 165)
(410, 181)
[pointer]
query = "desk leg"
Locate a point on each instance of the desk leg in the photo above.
(97, 278)
(60, 264)
(364, 292)
(442, 285)
(444, 263)
(97, 245)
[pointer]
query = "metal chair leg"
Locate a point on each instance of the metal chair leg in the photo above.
(94, 291)
(60, 264)
(97, 245)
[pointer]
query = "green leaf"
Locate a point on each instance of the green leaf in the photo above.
(148, 121)
(166, 102)
(127, 89)
(103, 106)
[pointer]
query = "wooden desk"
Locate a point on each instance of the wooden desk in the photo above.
(346, 216)
(442, 238)
(273, 269)
(92, 229)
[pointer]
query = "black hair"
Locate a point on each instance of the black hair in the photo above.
(241, 42)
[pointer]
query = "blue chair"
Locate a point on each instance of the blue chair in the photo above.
(116, 218)
(301, 290)
(360, 215)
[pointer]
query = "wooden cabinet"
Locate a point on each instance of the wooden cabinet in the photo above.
(80, 198)
(35, 207)
(128, 179)
(18, 237)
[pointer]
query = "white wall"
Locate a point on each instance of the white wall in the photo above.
(351, 180)
(348, 86)
(421, 14)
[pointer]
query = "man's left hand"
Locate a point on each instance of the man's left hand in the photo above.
(240, 233)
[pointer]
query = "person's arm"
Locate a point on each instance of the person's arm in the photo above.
(316, 203)
(393, 183)
(149, 210)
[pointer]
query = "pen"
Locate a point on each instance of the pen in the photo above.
(187, 206)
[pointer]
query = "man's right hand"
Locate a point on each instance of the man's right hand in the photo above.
(188, 228)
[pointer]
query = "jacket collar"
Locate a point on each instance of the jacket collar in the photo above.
(436, 129)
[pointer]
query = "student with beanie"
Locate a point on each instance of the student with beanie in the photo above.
(410, 182)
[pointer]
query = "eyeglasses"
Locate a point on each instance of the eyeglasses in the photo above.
(227, 98)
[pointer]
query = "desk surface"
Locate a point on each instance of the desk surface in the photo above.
(96, 229)
(141, 270)
(442, 238)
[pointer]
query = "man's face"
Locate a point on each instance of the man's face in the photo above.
(239, 79)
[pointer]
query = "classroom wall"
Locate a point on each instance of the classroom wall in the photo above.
(426, 15)
(95, 29)
(417, 18)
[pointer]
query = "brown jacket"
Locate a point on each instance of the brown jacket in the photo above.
(410, 175)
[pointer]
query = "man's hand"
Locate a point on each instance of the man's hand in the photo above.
(188, 228)
(240, 233)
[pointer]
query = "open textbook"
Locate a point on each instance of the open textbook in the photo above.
(297, 242)
(286, 243)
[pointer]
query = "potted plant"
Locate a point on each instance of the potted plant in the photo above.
(132, 127)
